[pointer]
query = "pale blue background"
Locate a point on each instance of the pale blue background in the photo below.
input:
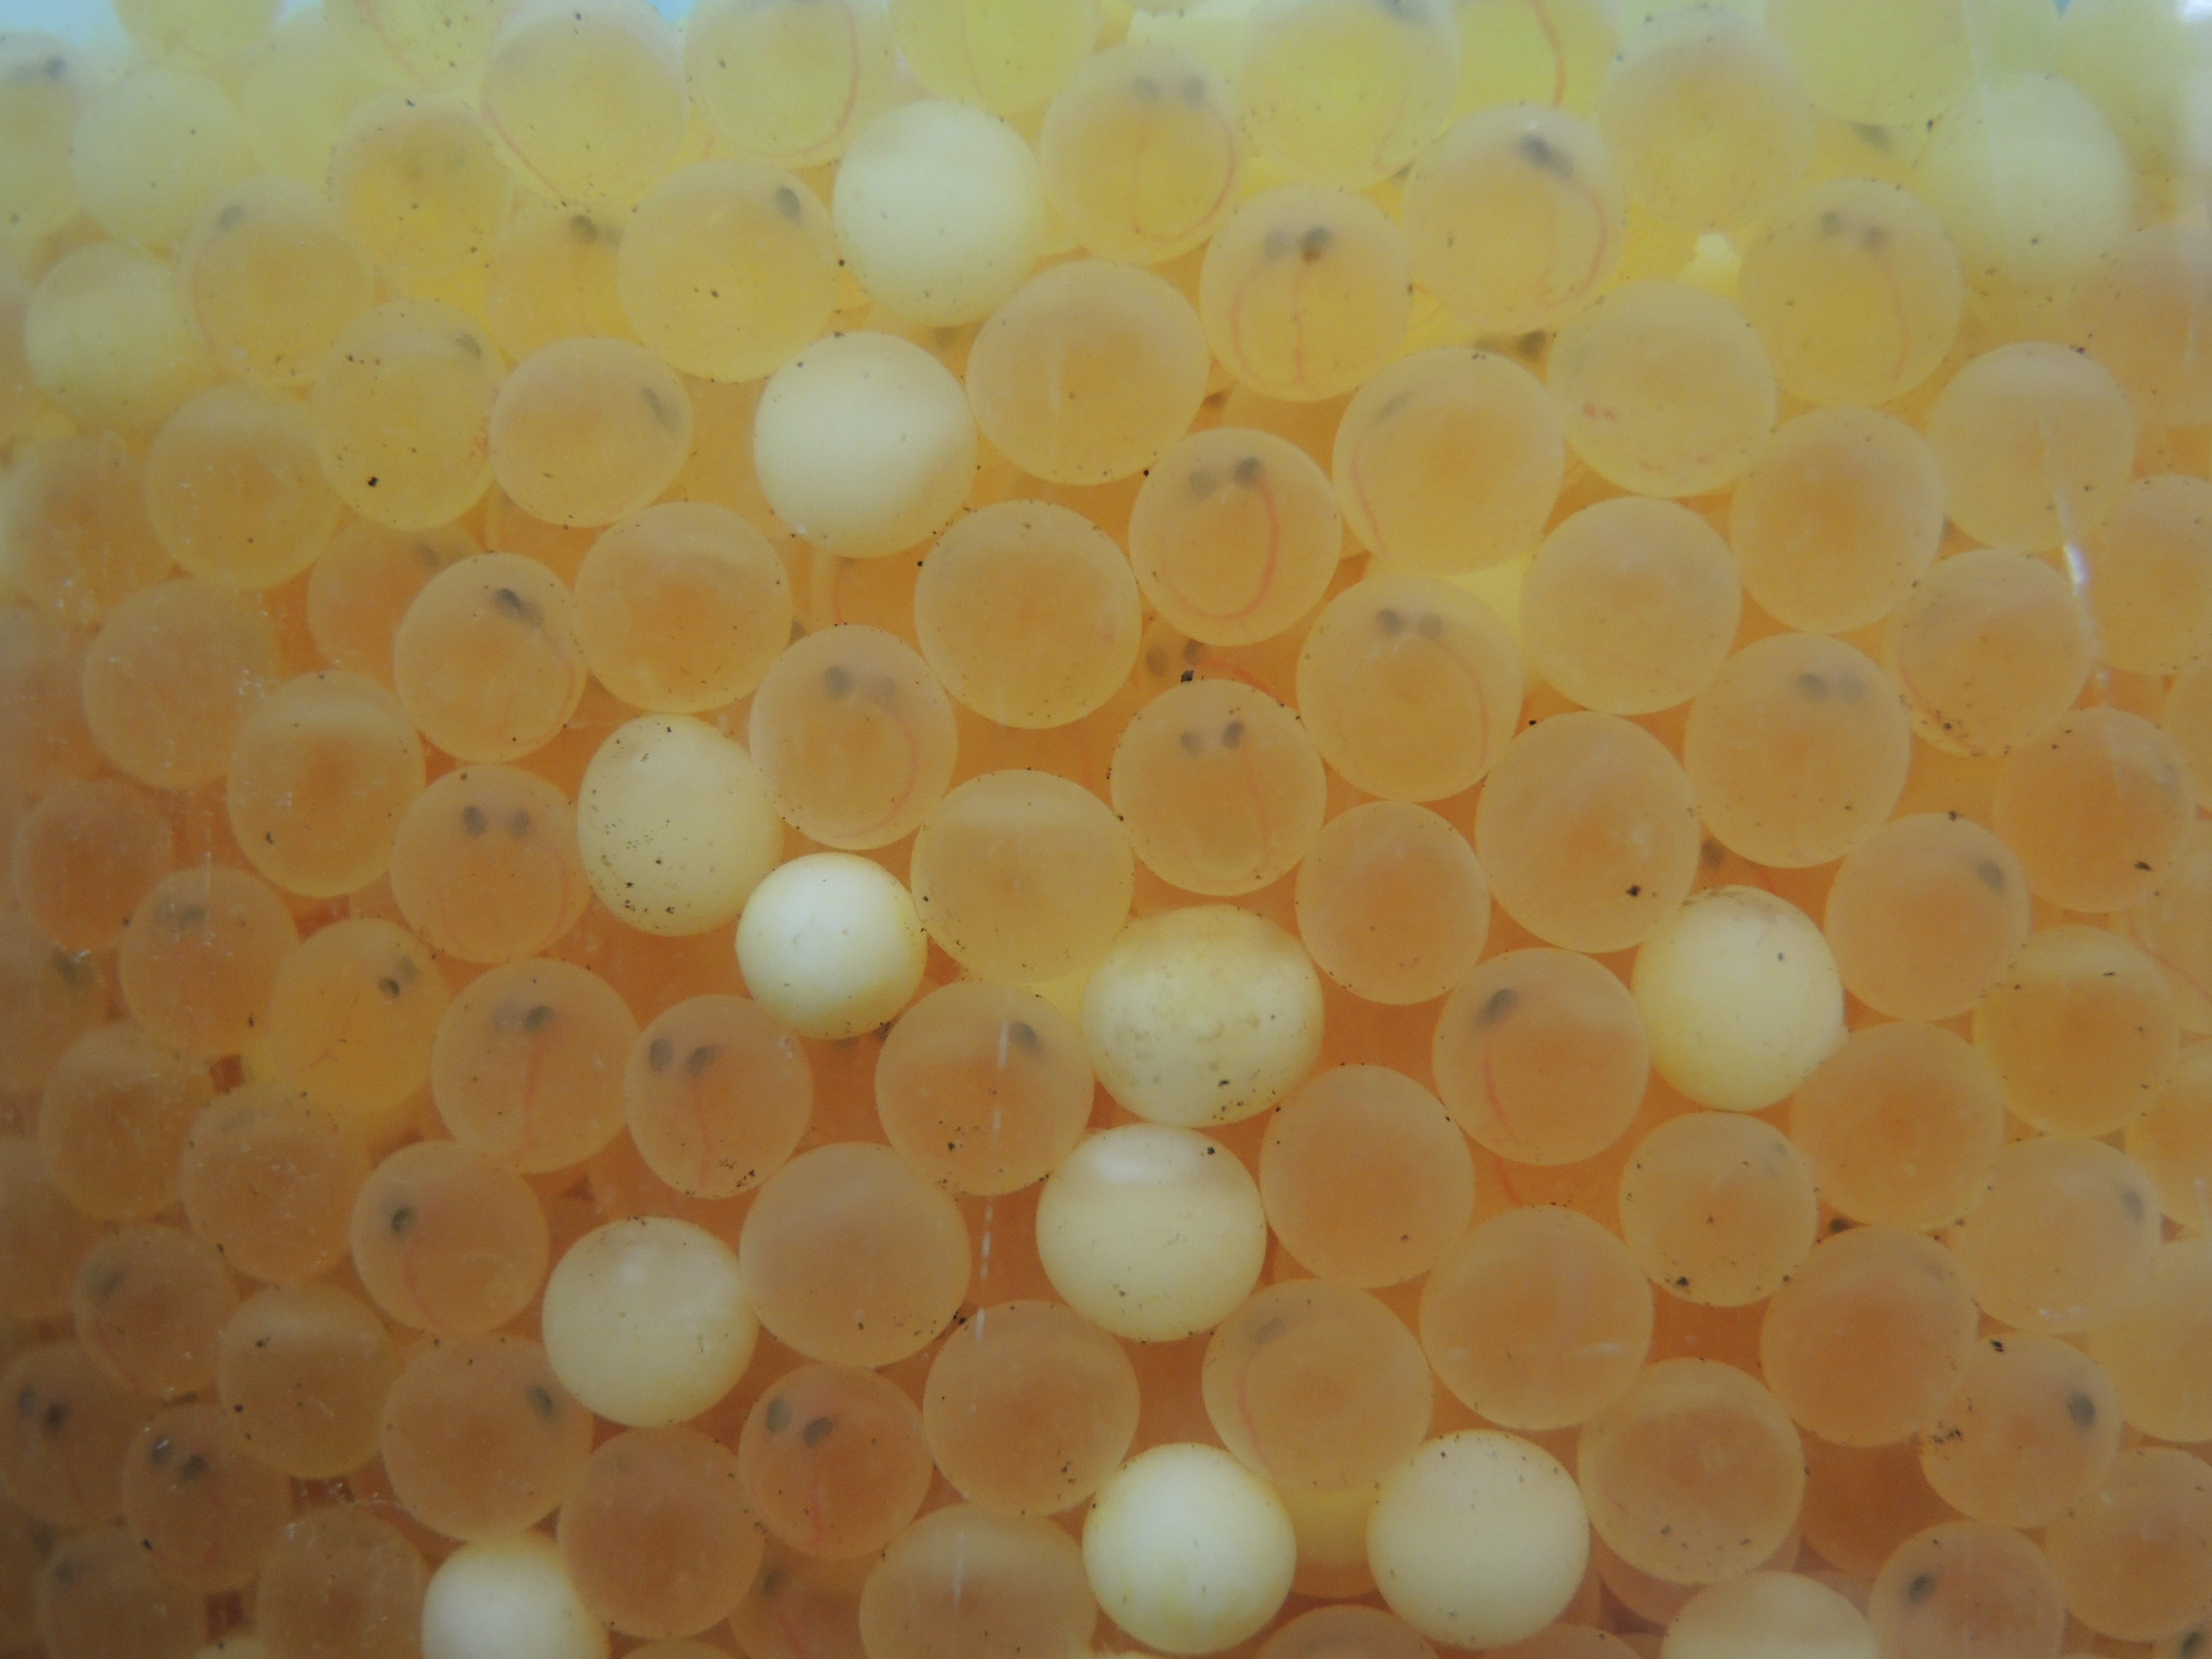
(79, 18)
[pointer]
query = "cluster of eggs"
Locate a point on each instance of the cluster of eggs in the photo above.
(975, 827)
